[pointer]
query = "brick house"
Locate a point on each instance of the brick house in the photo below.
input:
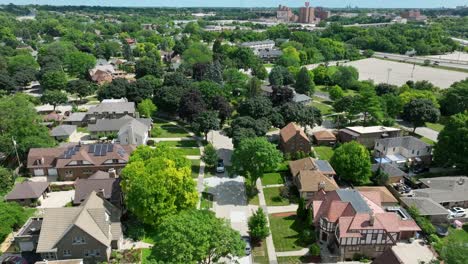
(78, 161)
(293, 139)
(367, 135)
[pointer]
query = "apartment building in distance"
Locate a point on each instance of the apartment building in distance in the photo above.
(284, 14)
(307, 14)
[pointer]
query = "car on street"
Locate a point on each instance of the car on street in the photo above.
(248, 248)
(456, 212)
(14, 260)
(220, 166)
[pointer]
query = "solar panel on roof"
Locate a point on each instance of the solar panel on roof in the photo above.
(91, 148)
(97, 149)
(110, 148)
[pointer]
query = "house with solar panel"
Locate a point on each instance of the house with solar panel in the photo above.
(75, 161)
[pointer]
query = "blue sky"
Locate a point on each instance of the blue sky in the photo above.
(249, 3)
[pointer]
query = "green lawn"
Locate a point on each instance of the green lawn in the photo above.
(324, 152)
(273, 198)
(289, 260)
(435, 126)
(286, 233)
(324, 108)
(82, 129)
(455, 236)
(195, 168)
(205, 203)
(188, 151)
(260, 254)
(427, 140)
(168, 131)
(20, 179)
(272, 178)
(180, 144)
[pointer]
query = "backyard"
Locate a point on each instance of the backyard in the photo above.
(324, 152)
(273, 197)
(272, 178)
(286, 232)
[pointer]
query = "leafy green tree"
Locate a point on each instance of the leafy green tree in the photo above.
(345, 76)
(254, 87)
(157, 183)
(299, 113)
(220, 104)
(21, 61)
(454, 252)
(259, 71)
(21, 122)
(256, 107)
(379, 177)
(258, 225)
(116, 89)
(210, 156)
(309, 217)
(196, 236)
(147, 108)
(410, 95)
(304, 83)
(391, 105)
(54, 97)
(452, 144)
(6, 180)
(6, 83)
(369, 103)
(290, 57)
(205, 122)
(12, 217)
(24, 76)
(127, 52)
(281, 95)
(54, 80)
(351, 161)
(79, 63)
(191, 105)
(149, 66)
(420, 111)
(210, 90)
(280, 75)
(455, 99)
(82, 88)
(197, 53)
(301, 209)
(167, 98)
(253, 157)
(335, 92)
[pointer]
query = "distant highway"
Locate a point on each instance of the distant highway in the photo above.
(420, 60)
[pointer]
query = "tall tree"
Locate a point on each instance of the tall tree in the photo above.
(304, 82)
(253, 157)
(147, 108)
(82, 88)
(191, 105)
(351, 161)
(54, 80)
(210, 156)
(256, 107)
(420, 111)
(254, 87)
(54, 97)
(6, 180)
(149, 66)
(455, 99)
(196, 236)
(452, 144)
(157, 183)
(369, 103)
(224, 108)
(205, 122)
(281, 95)
(79, 63)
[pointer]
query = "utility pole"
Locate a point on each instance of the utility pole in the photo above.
(388, 74)
(414, 66)
(17, 156)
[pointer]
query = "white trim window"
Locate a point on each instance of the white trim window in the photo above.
(66, 252)
(78, 240)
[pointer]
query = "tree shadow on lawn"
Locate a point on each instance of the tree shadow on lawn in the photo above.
(299, 226)
(229, 192)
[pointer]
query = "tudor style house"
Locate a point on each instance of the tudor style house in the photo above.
(293, 139)
(353, 222)
(87, 232)
(78, 161)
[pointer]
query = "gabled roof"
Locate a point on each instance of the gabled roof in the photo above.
(407, 142)
(90, 218)
(291, 130)
(324, 135)
(27, 190)
(295, 166)
(120, 107)
(301, 98)
(310, 180)
(444, 189)
(110, 187)
(63, 130)
(76, 117)
(425, 206)
(385, 195)
(117, 124)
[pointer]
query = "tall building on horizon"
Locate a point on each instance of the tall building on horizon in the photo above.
(306, 14)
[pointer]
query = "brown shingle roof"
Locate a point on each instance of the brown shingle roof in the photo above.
(385, 195)
(290, 130)
(111, 187)
(324, 135)
(296, 166)
(27, 190)
(310, 180)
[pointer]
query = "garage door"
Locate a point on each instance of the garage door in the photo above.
(38, 172)
(52, 172)
(26, 246)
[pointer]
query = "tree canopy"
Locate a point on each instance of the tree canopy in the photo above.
(351, 161)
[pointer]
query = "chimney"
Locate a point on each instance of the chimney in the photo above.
(321, 186)
(112, 173)
(371, 219)
(101, 193)
(42, 160)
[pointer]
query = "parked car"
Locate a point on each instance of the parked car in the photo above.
(14, 260)
(220, 166)
(248, 248)
(456, 212)
(420, 170)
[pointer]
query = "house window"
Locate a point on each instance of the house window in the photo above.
(412, 151)
(363, 238)
(417, 153)
(97, 252)
(68, 173)
(374, 236)
(353, 248)
(78, 240)
(394, 149)
(87, 254)
(66, 252)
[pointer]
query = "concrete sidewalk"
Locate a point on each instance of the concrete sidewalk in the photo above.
(282, 209)
(269, 240)
(295, 253)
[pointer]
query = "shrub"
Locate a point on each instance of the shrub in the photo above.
(150, 142)
(156, 131)
(258, 225)
(314, 250)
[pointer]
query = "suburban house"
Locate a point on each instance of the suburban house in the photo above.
(256, 46)
(65, 261)
(105, 72)
(111, 110)
(427, 207)
(324, 138)
(89, 231)
(446, 191)
(78, 161)
(28, 192)
(353, 222)
(402, 151)
(27, 237)
(105, 183)
(312, 175)
(269, 55)
(63, 132)
(293, 139)
(77, 119)
(367, 135)
(128, 130)
(404, 253)
(395, 174)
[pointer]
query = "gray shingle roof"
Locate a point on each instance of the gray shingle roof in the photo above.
(390, 169)
(27, 190)
(89, 217)
(425, 206)
(254, 43)
(407, 142)
(63, 130)
(120, 107)
(76, 117)
(355, 198)
(444, 189)
(324, 166)
(300, 98)
(117, 124)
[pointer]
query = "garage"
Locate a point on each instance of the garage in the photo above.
(38, 172)
(52, 172)
(26, 246)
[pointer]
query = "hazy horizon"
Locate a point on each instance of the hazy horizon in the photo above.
(245, 3)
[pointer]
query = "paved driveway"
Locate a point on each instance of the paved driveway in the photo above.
(57, 199)
(422, 131)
